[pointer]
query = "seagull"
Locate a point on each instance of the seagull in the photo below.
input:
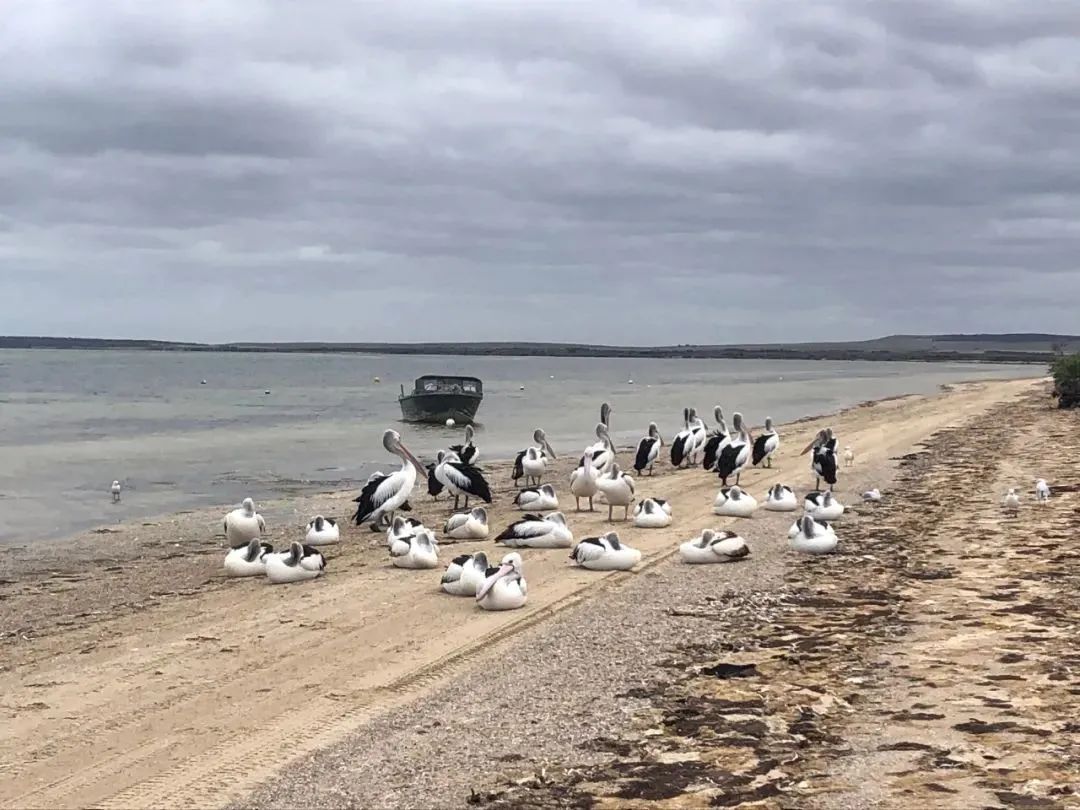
(872, 495)
(115, 489)
(1011, 502)
(1042, 490)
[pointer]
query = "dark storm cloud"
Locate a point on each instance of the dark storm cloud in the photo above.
(714, 172)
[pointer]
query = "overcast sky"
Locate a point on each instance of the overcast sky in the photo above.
(619, 172)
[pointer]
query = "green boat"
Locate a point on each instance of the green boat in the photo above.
(436, 398)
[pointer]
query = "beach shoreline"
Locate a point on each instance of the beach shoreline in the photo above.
(122, 631)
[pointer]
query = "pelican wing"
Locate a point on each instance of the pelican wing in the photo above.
(591, 548)
(377, 491)
(645, 455)
(468, 479)
(456, 522)
(529, 526)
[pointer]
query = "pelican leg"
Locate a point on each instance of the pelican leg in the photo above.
(466, 501)
(817, 482)
(590, 504)
(457, 500)
(609, 513)
(738, 475)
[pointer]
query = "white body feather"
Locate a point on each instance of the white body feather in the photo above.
(734, 503)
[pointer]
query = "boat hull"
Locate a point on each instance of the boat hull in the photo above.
(438, 407)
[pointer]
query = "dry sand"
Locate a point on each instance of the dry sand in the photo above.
(160, 683)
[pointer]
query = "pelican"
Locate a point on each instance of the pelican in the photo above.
(734, 502)
(648, 450)
(872, 495)
(534, 531)
(322, 532)
(602, 453)
(605, 554)
(649, 514)
(417, 551)
(781, 499)
(115, 490)
(462, 479)
(682, 443)
(717, 440)
(472, 525)
(1011, 501)
(714, 547)
(813, 537)
(300, 562)
(243, 525)
(849, 457)
(699, 435)
(1042, 491)
(249, 560)
(823, 461)
(617, 488)
(736, 454)
(796, 527)
(402, 528)
(434, 485)
(583, 483)
(504, 587)
(765, 445)
(541, 499)
(532, 461)
(822, 506)
(467, 451)
(465, 574)
(385, 494)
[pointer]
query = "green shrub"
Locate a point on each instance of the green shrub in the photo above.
(1066, 371)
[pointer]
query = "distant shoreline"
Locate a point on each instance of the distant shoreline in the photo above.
(877, 350)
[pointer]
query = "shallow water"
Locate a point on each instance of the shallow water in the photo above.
(72, 421)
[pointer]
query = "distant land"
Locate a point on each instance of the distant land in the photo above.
(985, 348)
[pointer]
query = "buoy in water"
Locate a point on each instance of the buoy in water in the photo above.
(450, 422)
(629, 382)
(522, 388)
(376, 379)
(267, 391)
(203, 382)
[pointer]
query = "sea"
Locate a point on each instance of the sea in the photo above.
(268, 425)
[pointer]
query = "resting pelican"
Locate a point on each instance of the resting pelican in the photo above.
(1042, 491)
(504, 587)
(682, 443)
(823, 506)
(531, 462)
(781, 499)
(534, 531)
(417, 551)
(649, 514)
(249, 560)
(243, 525)
(605, 554)
(583, 483)
(467, 451)
(385, 494)
(1011, 501)
(823, 462)
(472, 525)
(734, 502)
(813, 538)
(736, 454)
(540, 499)
(796, 527)
(617, 488)
(872, 495)
(465, 574)
(322, 532)
(765, 445)
(462, 479)
(300, 562)
(115, 490)
(648, 450)
(717, 440)
(402, 528)
(714, 547)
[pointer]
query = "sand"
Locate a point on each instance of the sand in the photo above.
(161, 683)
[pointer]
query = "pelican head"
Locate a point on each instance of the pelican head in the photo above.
(718, 413)
(541, 440)
(615, 472)
(548, 490)
(424, 538)
(654, 433)
(511, 564)
(468, 433)
(391, 440)
(820, 439)
(768, 423)
(248, 506)
(806, 525)
(736, 421)
(296, 551)
(556, 517)
(318, 523)
(707, 536)
(480, 513)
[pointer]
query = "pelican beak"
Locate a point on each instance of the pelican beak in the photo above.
(809, 447)
(489, 583)
(423, 470)
(549, 451)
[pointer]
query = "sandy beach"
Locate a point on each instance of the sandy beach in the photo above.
(929, 663)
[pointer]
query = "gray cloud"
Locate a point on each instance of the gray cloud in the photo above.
(674, 171)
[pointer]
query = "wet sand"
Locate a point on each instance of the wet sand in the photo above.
(159, 682)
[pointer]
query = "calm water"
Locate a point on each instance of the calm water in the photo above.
(71, 422)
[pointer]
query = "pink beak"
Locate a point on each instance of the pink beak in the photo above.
(489, 583)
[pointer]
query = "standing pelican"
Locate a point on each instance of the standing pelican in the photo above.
(648, 450)
(765, 445)
(823, 461)
(583, 483)
(472, 525)
(599, 448)
(465, 574)
(617, 488)
(1042, 491)
(699, 435)
(716, 441)
(467, 451)
(462, 479)
(531, 462)
(504, 587)
(243, 525)
(385, 494)
(682, 443)
(735, 455)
